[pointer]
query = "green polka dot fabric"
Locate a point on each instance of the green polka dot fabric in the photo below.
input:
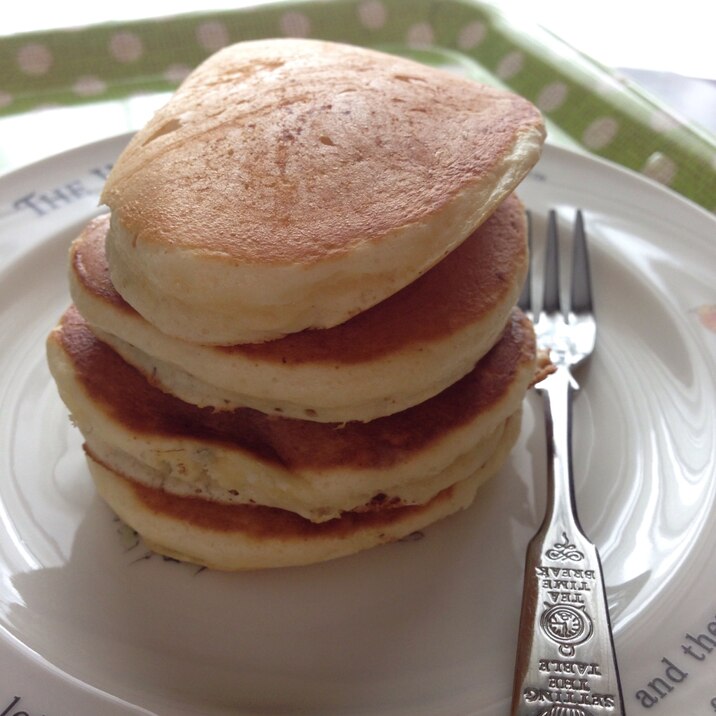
(585, 104)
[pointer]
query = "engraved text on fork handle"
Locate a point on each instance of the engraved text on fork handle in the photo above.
(565, 660)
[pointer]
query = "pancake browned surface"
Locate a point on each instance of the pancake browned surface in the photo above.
(318, 471)
(291, 184)
(396, 354)
(306, 230)
(250, 537)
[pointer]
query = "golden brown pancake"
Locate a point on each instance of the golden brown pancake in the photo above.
(291, 184)
(253, 537)
(306, 230)
(318, 470)
(396, 354)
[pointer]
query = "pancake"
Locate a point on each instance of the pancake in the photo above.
(397, 354)
(252, 537)
(292, 184)
(316, 470)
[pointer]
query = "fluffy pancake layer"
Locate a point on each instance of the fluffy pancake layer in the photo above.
(395, 355)
(245, 537)
(333, 177)
(312, 469)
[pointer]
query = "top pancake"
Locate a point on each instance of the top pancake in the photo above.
(292, 184)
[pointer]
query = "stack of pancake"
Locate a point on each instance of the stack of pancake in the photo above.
(294, 337)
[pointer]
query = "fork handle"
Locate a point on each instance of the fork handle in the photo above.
(565, 651)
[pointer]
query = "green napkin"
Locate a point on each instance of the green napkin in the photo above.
(586, 105)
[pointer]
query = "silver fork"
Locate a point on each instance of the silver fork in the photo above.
(565, 653)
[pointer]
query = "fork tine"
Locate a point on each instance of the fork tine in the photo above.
(525, 300)
(550, 301)
(581, 291)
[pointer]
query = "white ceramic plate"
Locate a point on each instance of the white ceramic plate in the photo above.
(92, 623)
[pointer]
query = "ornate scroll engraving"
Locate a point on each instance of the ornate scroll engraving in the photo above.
(564, 551)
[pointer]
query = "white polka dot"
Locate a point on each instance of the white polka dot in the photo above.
(510, 65)
(471, 35)
(125, 47)
(663, 122)
(6, 99)
(372, 14)
(34, 59)
(212, 35)
(89, 86)
(420, 34)
(176, 73)
(552, 96)
(660, 168)
(295, 24)
(600, 133)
